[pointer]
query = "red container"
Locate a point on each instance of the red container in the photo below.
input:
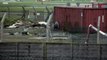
(78, 19)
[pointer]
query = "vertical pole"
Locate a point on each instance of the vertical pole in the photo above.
(72, 51)
(2, 25)
(98, 26)
(81, 20)
(17, 51)
(29, 49)
(100, 52)
(44, 51)
(88, 33)
(86, 42)
(48, 31)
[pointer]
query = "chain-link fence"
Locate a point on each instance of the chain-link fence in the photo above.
(34, 16)
(17, 19)
(22, 13)
(52, 51)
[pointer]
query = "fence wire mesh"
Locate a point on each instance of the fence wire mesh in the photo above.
(52, 51)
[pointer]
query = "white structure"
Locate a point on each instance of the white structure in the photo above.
(2, 26)
(17, 24)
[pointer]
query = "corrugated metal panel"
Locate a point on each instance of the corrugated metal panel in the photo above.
(78, 19)
(105, 20)
(73, 19)
(91, 17)
(59, 16)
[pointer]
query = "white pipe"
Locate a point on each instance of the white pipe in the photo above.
(2, 25)
(101, 32)
(98, 26)
(48, 32)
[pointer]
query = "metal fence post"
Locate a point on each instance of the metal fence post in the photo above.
(48, 31)
(17, 51)
(99, 51)
(2, 25)
(72, 51)
(44, 51)
(98, 26)
(100, 58)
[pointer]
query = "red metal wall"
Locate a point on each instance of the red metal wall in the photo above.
(78, 19)
(91, 17)
(59, 16)
(73, 19)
